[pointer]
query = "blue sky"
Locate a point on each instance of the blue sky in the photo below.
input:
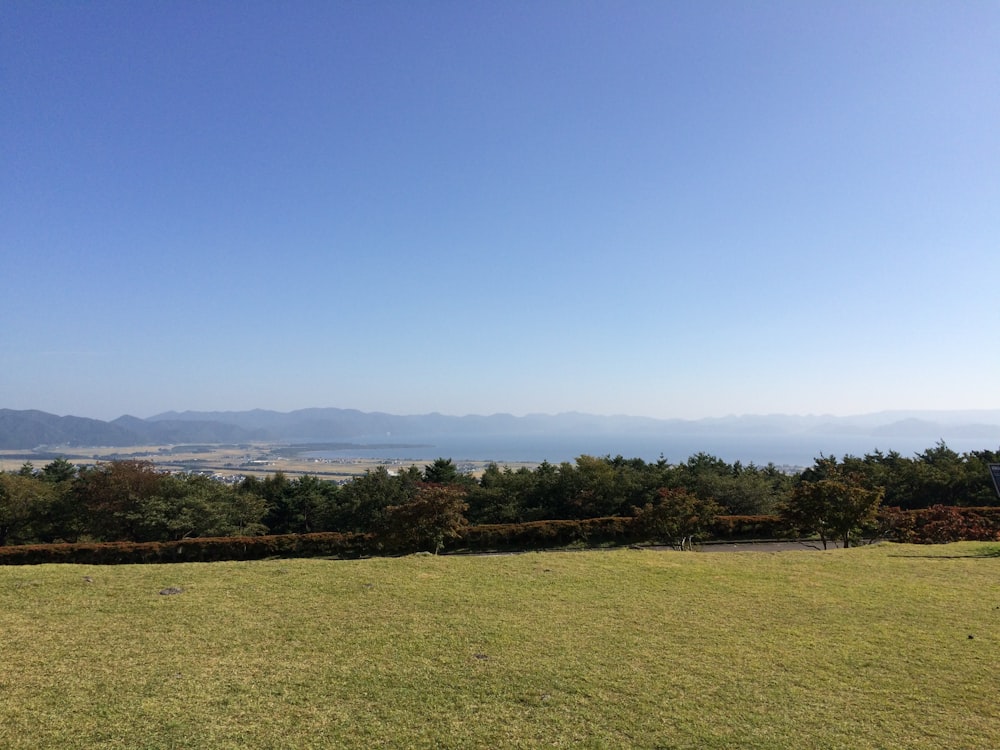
(671, 209)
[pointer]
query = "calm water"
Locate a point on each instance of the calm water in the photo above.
(780, 450)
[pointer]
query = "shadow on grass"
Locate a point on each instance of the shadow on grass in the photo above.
(984, 553)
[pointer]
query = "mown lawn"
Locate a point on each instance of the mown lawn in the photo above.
(861, 648)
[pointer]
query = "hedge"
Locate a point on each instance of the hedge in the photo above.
(941, 524)
(935, 525)
(207, 549)
(546, 534)
(749, 527)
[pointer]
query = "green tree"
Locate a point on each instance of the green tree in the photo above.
(24, 502)
(938, 477)
(435, 516)
(835, 505)
(59, 470)
(194, 506)
(179, 509)
(362, 502)
(276, 490)
(110, 496)
(63, 521)
(597, 493)
(442, 471)
(890, 471)
(499, 496)
(311, 503)
(243, 513)
(978, 489)
(677, 517)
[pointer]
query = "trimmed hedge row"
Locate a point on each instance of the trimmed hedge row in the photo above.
(207, 549)
(935, 525)
(535, 535)
(749, 527)
(941, 524)
(547, 534)
(599, 531)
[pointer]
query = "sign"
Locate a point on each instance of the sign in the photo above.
(995, 471)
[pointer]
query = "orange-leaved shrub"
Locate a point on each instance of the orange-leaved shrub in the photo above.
(941, 524)
(202, 549)
(548, 534)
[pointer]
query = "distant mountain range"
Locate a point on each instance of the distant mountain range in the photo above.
(37, 429)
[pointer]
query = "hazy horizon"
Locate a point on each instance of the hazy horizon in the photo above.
(949, 414)
(674, 210)
(782, 439)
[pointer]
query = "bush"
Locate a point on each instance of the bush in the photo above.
(212, 549)
(748, 527)
(941, 524)
(548, 534)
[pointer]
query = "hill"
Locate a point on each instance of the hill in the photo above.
(33, 429)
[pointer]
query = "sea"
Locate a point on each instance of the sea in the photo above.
(789, 451)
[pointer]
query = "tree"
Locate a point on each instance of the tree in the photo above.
(834, 506)
(59, 470)
(311, 503)
(63, 521)
(275, 490)
(434, 516)
(596, 491)
(442, 471)
(500, 495)
(24, 501)
(244, 513)
(177, 510)
(677, 518)
(739, 489)
(978, 489)
(361, 503)
(193, 506)
(111, 496)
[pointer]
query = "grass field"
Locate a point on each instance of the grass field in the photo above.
(891, 646)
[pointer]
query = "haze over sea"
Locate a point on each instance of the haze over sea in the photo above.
(782, 450)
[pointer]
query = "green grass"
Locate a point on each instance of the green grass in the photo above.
(861, 648)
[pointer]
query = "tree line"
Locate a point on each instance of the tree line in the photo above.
(133, 501)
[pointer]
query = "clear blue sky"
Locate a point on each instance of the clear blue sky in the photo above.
(671, 209)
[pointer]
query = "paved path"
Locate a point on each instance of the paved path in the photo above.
(765, 546)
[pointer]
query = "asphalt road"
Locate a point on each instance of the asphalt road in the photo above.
(765, 546)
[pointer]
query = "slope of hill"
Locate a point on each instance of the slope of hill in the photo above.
(32, 428)
(28, 429)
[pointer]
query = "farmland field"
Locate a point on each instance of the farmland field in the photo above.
(889, 646)
(258, 459)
